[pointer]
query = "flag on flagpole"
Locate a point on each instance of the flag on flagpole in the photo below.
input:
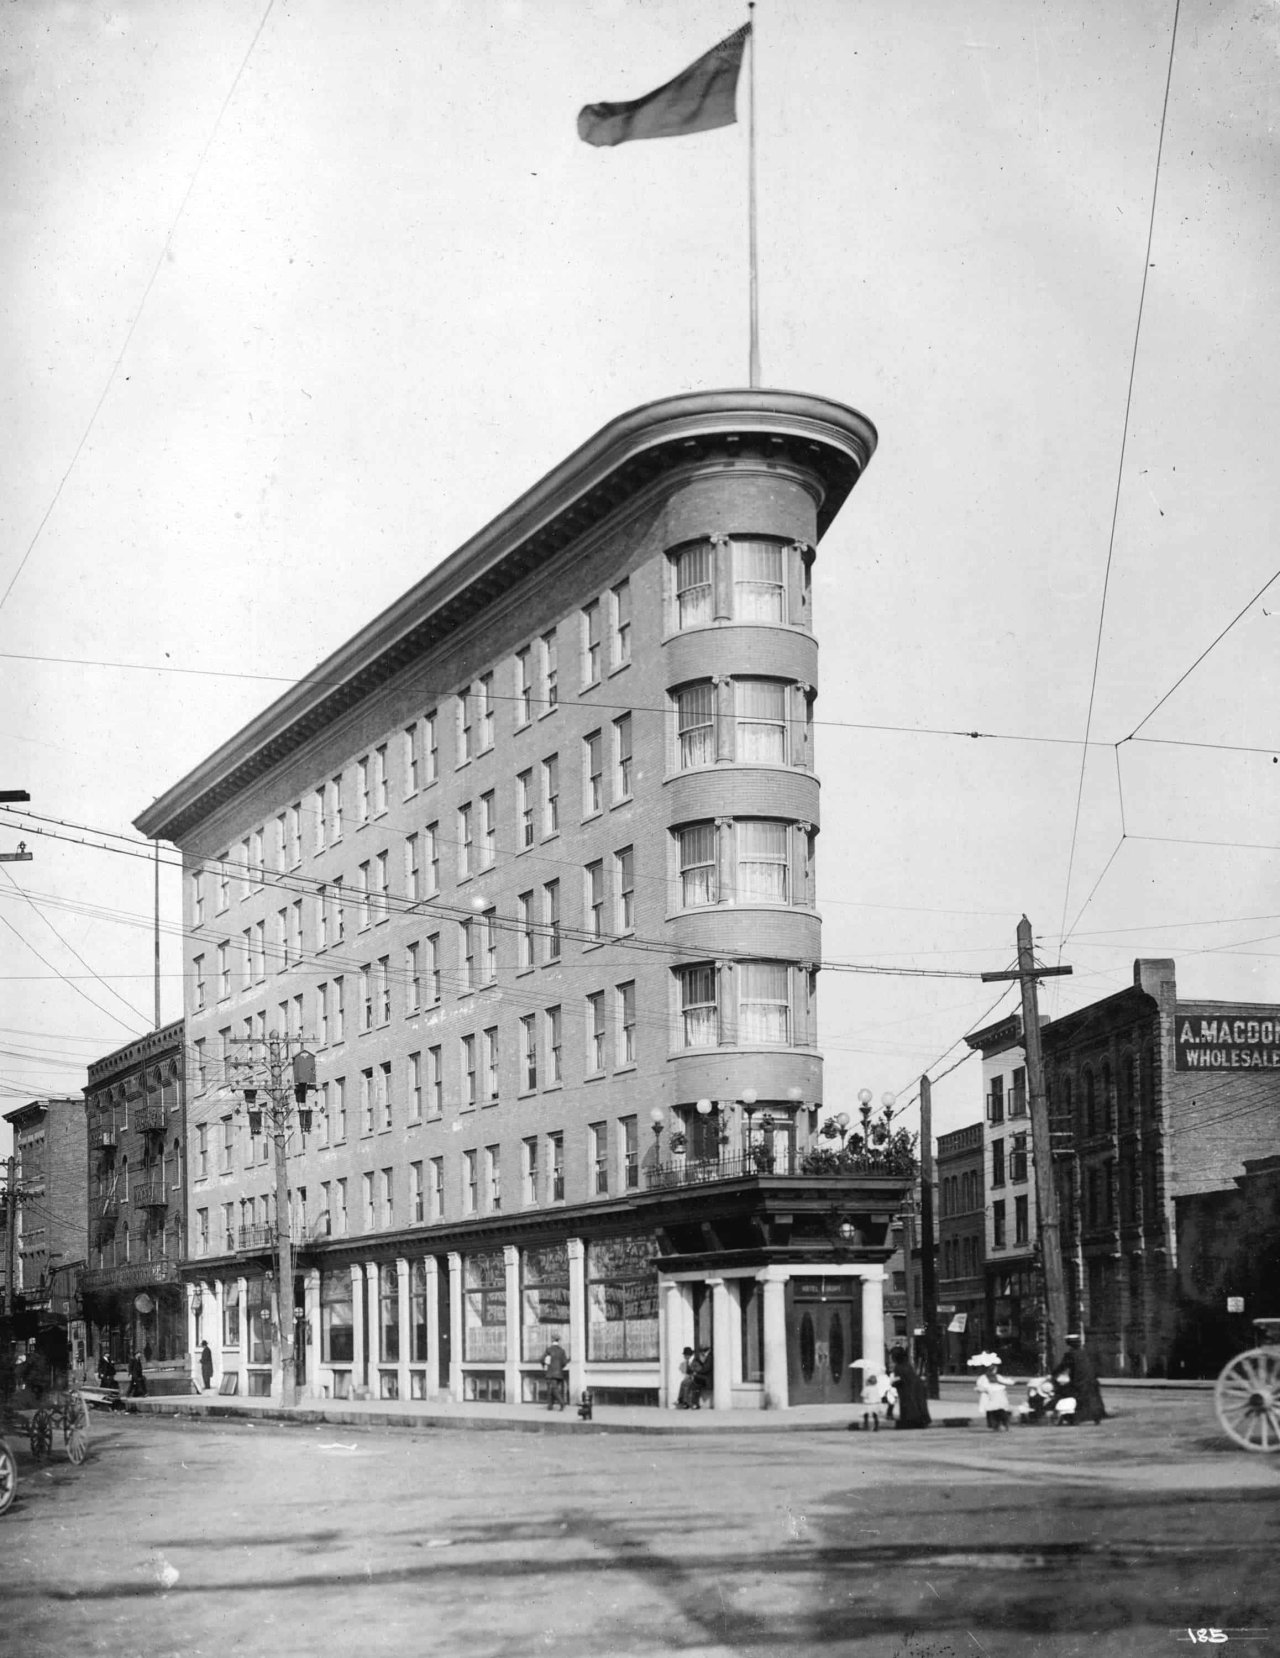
(700, 98)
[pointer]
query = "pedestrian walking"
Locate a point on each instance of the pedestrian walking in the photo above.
(555, 1367)
(137, 1381)
(992, 1388)
(206, 1366)
(1076, 1375)
(913, 1395)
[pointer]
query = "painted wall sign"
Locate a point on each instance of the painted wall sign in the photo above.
(1229, 1041)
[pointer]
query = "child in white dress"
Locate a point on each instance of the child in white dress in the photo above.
(992, 1391)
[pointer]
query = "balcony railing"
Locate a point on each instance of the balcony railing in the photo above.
(261, 1239)
(105, 1141)
(151, 1194)
(763, 1161)
(149, 1119)
(256, 1240)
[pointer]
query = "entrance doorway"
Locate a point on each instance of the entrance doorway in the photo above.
(824, 1337)
(443, 1326)
(301, 1330)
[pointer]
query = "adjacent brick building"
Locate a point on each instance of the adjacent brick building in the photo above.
(135, 1104)
(529, 864)
(50, 1235)
(962, 1244)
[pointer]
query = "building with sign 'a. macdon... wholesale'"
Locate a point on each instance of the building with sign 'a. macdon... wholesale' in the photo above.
(528, 865)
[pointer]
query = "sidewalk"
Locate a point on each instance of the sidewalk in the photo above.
(957, 1407)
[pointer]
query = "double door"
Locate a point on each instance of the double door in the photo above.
(824, 1337)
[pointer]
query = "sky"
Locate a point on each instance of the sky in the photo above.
(299, 297)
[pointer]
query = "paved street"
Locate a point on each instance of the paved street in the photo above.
(209, 1537)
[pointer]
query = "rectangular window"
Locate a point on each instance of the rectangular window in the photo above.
(363, 800)
(197, 969)
(410, 741)
(224, 881)
(551, 919)
(388, 1205)
(524, 807)
(591, 642)
(488, 925)
(364, 887)
(1018, 1158)
(339, 1110)
(626, 1035)
(431, 852)
(435, 1081)
(697, 865)
(366, 1183)
(246, 867)
(763, 861)
(555, 1168)
(380, 780)
(624, 886)
(224, 971)
(493, 1176)
(417, 1196)
(1020, 1220)
(696, 725)
(699, 1024)
(413, 977)
(694, 596)
(335, 810)
(295, 931)
(484, 701)
(622, 758)
(622, 1299)
(382, 983)
(367, 1103)
(595, 1031)
(470, 1184)
(524, 686)
(550, 672)
(629, 1152)
(385, 1102)
(470, 1081)
(467, 929)
(412, 868)
(382, 886)
(524, 932)
(339, 929)
(491, 1063)
(598, 1155)
(433, 969)
(259, 948)
(466, 842)
(430, 749)
(760, 713)
(759, 584)
(366, 998)
(464, 727)
(258, 859)
(997, 1162)
(202, 1150)
(322, 1014)
(339, 1009)
(998, 1237)
(337, 1319)
(554, 1070)
(595, 899)
(764, 1005)
(437, 1188)
(529, 1170)
(488, 831)
(592, 774)
(295, 835)
(340, 1213)
(528, 1052)
(197, 897)
(551, 795)
(620, 622)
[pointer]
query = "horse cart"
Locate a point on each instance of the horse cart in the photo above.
(67, 1411)
(1247, 1394)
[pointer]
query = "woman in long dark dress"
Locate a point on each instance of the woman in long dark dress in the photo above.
(1082, 1381)
(913, 1395)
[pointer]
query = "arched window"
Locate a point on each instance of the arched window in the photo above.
(1108, 1099)
(1090, 1106)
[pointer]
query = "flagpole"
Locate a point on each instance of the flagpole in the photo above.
(754, 303)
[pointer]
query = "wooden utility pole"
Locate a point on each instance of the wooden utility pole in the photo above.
(1055, 1290)
(928, 1264)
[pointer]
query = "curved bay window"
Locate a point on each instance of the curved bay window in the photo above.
(544, 1300)
(697, 849)
(699, 1010)
(622, 1299)
(696, 725)
(759, 581)
(764, 858)
(764, 1003)
(484, 1307)
(337, 1344)
(760, 721)
(694, 576)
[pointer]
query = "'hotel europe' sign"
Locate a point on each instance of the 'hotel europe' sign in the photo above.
(1227, 1042)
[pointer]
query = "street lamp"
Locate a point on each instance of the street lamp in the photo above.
(658, 1118)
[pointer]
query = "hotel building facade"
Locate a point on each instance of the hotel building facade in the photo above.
(528, 865)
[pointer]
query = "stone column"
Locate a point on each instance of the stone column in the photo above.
(433, 1327)
(773, 1282)
(406, 1334)
(211, 1322)
(722, 577)
(195, 1325)
(357, 1327)
(577, 1317)
(515, 1332)
(455, 1324)
(873, 1319)
(670, 1340)
(721, 1344)
(311, 1330)
(242, 1347)
(726, 729)
(725, 862)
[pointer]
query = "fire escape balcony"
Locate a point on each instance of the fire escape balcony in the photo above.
(149, 1119)
(150, 1194)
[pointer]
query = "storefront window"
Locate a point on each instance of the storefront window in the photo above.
(258, 1306)
(336, 1321)
(751, 1300)
(231, 1317)
(388, 1313)
(544, 1299)
(622, 1299)
(418, 1311)
(484, 1307)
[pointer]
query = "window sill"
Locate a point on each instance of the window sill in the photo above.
(591, 685)
(595, 812)
(622, 800)
(619, 668)
(625, 1070)
(548, 712)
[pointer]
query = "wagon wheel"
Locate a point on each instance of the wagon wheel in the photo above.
(1247, 1399)
(8, 1478)
(41, 1434)
(75, 1427)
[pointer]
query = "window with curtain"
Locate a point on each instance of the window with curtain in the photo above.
(763, 861)
(760, 710)
(759, 582)
(696, 725)
(697, 865)
(763, 1005)
(694, 601)
(388, 1313)
(418, 1311)
(699, 1026)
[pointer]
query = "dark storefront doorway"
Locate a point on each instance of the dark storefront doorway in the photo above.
(301, 1332)
(445, 1328)
(824, 1337)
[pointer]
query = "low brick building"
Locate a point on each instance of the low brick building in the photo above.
(1228, 1267)
(50, 1240)
(961, 1244)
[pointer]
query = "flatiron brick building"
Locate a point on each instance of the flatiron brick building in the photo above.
(529, 866)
